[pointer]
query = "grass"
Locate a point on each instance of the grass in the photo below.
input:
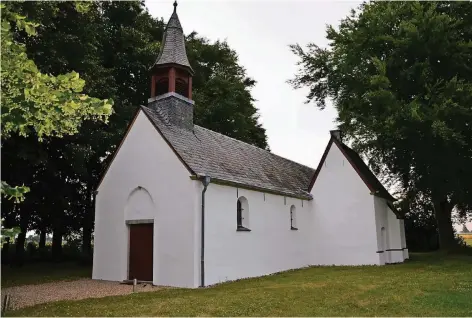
(427, 285)
(468, 241)
(39, 273)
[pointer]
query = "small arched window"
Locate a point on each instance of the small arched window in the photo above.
(162, 86)
(242, 214)
(293, 218)
(181, 87)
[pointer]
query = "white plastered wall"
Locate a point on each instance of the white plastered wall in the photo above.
(392, 251)
(167, 196)
(395, 248)
(344, 223)
(270, 247)
(383, 237)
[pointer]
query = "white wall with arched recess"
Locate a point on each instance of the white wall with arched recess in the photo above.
(139, 205)
(245, 214)
(168, 196)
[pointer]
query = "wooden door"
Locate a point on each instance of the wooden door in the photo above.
(141, 251)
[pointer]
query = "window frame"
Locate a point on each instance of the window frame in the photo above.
(239, 217)
(293, 217)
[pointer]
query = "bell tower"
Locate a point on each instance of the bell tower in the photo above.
(171, 78)
(172, 71)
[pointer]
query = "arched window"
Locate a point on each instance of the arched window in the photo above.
(162, 86)
(242, 214)
(181, 87)
(293, 218)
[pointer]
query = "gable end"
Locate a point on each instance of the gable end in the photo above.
(123, 140)
(383, 193)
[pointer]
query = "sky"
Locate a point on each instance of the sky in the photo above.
(260, 32)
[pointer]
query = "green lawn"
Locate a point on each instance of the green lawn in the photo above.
(468, 241)
(38, 273)
(428, 285)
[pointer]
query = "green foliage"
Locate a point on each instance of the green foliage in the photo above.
(38, 103)
(400, 77)
(10, 233)
(222, 95)
(31, 100)
(420, 224)
(17, 193)
(112, 45)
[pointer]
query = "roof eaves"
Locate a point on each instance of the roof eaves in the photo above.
(225, 182)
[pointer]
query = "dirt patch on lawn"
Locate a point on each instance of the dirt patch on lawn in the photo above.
(29, 295)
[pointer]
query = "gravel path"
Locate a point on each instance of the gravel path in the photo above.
(29, 295)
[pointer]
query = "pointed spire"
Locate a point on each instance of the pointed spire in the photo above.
(173, 44)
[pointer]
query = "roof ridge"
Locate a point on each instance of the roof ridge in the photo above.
(271, 153)
(240, 141)
(202, 150)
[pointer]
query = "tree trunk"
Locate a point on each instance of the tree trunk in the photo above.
(87, 240)
(20, 241)
(20, 247)
(42, 244)
(42, 240)
(442, 212)
(56, 244)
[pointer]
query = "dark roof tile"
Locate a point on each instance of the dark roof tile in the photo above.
(173, 44)
(210, 153)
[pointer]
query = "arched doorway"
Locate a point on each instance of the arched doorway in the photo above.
(139, 216)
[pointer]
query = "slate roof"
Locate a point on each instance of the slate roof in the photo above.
(173, 44)
(369, 178)
(206, 152)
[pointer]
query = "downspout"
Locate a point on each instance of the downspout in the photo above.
(206, 181)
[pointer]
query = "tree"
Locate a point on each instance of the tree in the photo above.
(33, 102)
(400, 76)
(37, 104)
(223, 100)
(112, 45)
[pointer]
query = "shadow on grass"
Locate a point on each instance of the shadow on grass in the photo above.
(43, 272)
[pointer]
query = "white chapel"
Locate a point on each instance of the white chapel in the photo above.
(181, 205)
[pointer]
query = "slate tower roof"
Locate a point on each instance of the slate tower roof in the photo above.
(173, 44)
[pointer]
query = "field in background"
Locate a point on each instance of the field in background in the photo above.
(467, 238)
(430, 284)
